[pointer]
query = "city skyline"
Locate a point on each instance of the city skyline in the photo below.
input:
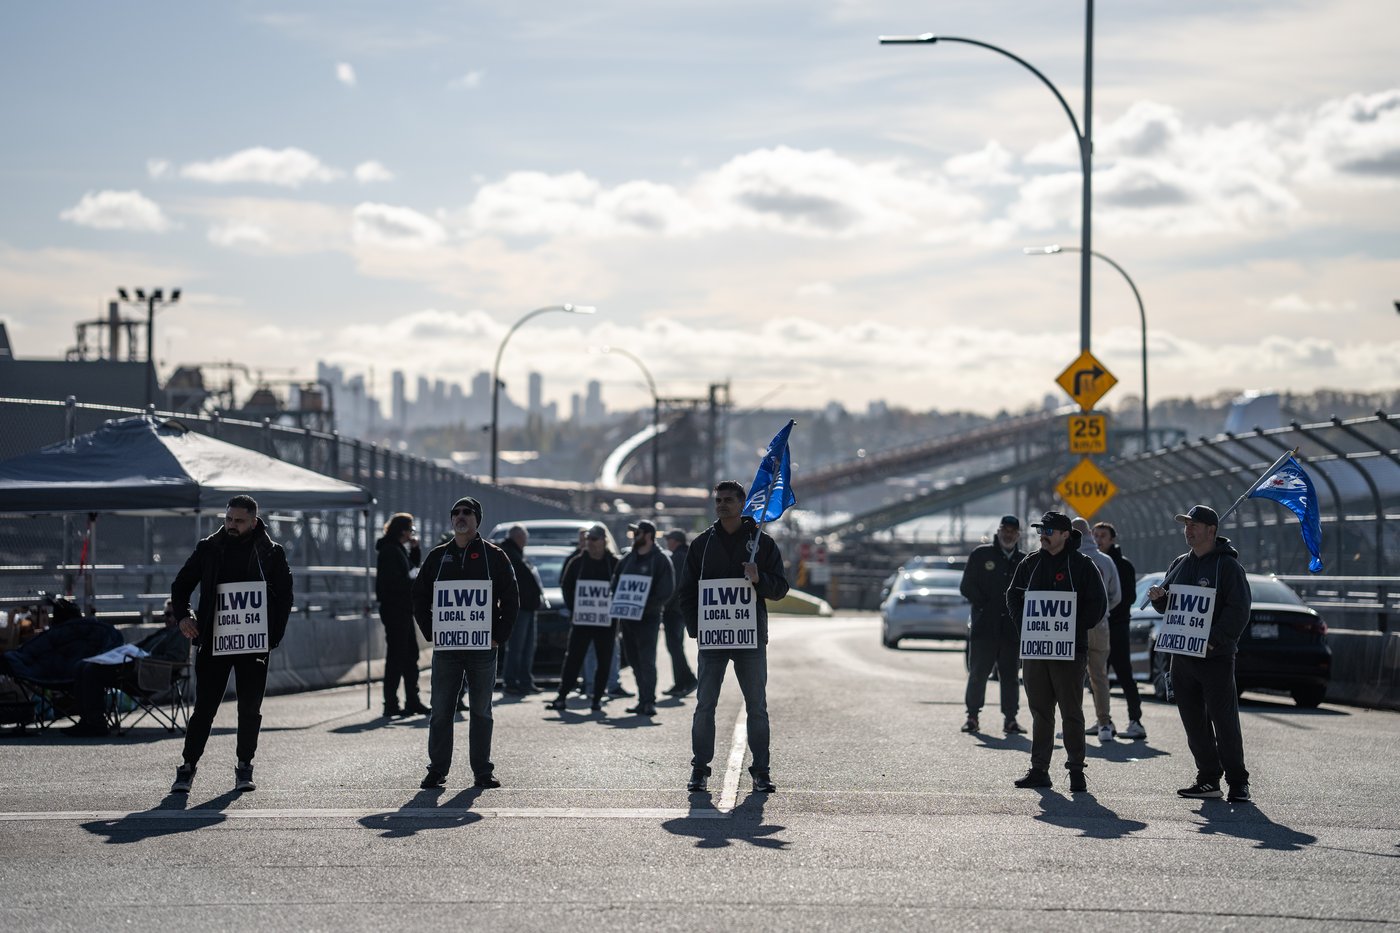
(759, 194)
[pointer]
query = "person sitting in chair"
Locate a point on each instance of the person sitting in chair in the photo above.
(95, 677)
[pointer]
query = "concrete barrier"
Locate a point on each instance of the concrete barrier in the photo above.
(1365, 668)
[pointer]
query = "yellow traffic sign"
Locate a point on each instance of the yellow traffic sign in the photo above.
(1086, 380)
(1088, 434)
(1085, 488)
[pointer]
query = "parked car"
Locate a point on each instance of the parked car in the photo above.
(924, 604)
(922, 562)
(551, 625)
(562, 532)
(1284, 646)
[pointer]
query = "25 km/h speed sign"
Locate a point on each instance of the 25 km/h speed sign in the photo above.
(1088, 434)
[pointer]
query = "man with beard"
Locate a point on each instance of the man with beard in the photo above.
(245, 598)
(994, 637)
(464, 601)
(643, 568)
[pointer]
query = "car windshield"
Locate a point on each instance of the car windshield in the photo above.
(918, 579)
(550, 566)
(1269, 590)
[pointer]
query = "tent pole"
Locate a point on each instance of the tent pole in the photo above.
(369, 602)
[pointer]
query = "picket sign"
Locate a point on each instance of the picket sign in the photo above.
(1047, 625)
(1186, 625)
(462, 611)
(728, 614)
(591, 602)
(240, 618)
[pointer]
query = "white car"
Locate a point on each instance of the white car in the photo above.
(559, 532)
(924, 604)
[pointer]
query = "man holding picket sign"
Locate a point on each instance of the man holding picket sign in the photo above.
(642, 584)
(1205, 601)
(732, 568)
(245, 598)
(464, 600)
(587, 587)
(1058, 595)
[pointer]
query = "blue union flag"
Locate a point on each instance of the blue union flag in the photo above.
(1291, 486)
(771, 493)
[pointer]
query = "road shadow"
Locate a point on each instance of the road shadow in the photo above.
(1247, 821)
(1083, 812)
(171, 816)
(425, 810)
(743, 824)
(382, 722)
(949, 648)
(1257, 703)
(631, 721)
(1136, 750)
(1003, 743)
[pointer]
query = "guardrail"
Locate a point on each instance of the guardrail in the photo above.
(1360, 603)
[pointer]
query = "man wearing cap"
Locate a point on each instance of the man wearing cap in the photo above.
(590, 620)
(673, 622)
(646, 573)
(1206, 697)
(438, 606)
(1098, 635)
(731, 550)
(1056, 568)
(994, 636)
(1119, 649)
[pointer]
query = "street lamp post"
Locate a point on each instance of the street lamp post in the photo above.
(1084, 138)
(655, 419)
(1142, 316)
(156, 297)
(496, 371)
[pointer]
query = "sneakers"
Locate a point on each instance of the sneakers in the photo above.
(596, 705)
(1012, 727)
(1107, 732)
(1134, 731)
(433, 779)
(415, 707)
(184, 777)
(486, 780)
(1077, 784)
(971, 725)
(681, 690)
(558, 704)
(1239, 793)
(642, 709)
(620, 692)
(243, 776)
(1202, 790)
(762, 783)
(1035, 777)
(699, 780)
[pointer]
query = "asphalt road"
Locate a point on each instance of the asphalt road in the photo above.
(886, 817)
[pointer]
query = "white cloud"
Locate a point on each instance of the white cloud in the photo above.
(1356, 138)
(815, 290)
(1294, 303)
(158, 168)
(990, 165)
(118, 210)
(289, 168)
(239, 234)
(397, 228)
(467, 82)
(372, 171)
(345, 74)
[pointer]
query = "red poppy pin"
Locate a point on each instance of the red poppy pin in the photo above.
(1059, 577)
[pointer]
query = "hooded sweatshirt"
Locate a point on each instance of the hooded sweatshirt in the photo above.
(1220, 570)
(1066, 571)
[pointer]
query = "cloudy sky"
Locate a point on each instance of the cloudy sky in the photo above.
(749, 190)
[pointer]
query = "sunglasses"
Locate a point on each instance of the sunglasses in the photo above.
(463, 512)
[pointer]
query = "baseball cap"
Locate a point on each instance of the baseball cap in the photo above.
(642, 525)
(598, 531)
(1200, 513)
(675, 534)
(1011, 521)
(1053, 521)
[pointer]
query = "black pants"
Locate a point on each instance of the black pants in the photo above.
(90, 688)
(1121, 664)
(983, 654)
(639, 641)
(211, 680)
(602, 638)
(1210, 712)
(400, 657)
(674, 625)
(1052, 684)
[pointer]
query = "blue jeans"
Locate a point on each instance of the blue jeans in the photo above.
(640, 640)
(450, 670)
(751, 668)
(520, 652)
(590, 667)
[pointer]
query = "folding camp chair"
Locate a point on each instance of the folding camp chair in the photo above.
(158, 689)
(44, 667)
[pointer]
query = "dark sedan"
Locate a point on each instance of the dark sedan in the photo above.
(1284, 647)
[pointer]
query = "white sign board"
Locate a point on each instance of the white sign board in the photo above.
(240, 618)
(629, 600)
(1186, 624)
(591, 601)
(1047, 625)
(462, 614)
(728, 614)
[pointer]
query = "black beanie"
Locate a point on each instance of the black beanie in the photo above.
(470, 503)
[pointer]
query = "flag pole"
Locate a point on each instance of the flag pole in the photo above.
(768, 497)
(1255, 485)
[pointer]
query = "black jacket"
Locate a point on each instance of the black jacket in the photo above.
(1127, 578)
(393, 583)
(527, 578)
(582, 567)
(1066, 571)
(1220, 570)
(716, 555)
(479, 560)
(984, 583)
(657, 565)
(678, 558)
(266, 561)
